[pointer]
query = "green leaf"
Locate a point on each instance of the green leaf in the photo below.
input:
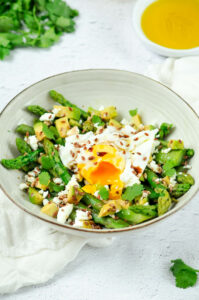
(4, 52)
(97, 120)
(170, 172)
(6, 24)
(44, 178)
(132, 191)
(185, 275)
(164, 130)
(48, 133)
(48, 38)
(47, 162)
(104, 193)
(133, 112)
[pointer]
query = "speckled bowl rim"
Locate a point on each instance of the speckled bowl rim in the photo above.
(99, 231)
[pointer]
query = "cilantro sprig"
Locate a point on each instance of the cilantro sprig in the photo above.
(131, 192)
(185, 275)
(35, 23)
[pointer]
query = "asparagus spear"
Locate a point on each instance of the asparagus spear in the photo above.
(60, 99)
(58, 167)
(180, 189)
(138, 213)
(21, 161)
(23, 129)
(22, 146)
(109, 222)
(174, 157)
(132, 215)
(185, 178)
(37, 110)
(151, 178)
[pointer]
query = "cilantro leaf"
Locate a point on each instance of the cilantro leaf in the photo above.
(185, 275)
(35, 23)
(164, 130)
(132, 191)
(97, 120)
(44, 178)
(133, 112)
(104, 193)
(47, 162)
(48, 133)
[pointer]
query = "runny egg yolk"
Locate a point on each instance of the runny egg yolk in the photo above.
(104, 165)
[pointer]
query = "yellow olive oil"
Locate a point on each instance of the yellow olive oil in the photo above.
(172, 23)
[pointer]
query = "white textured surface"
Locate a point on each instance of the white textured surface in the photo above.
(136, 267)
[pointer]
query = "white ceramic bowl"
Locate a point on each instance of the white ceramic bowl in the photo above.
(139, 8)
(125, 90)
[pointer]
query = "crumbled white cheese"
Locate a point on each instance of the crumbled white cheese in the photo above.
(29, 178)
(80, 217)
(73, 130)
(72, 182)
(172, 181)
(45, 201)
(154, 167)
(101, 108)
(64, 213)
(23, 186)
(124, 122)
(56, 200)
(56, 110)
(187, 167)
(57, 180)
(47, 117)
(167, 150)
(32, 141)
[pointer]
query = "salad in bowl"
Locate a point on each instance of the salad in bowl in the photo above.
(89, 169)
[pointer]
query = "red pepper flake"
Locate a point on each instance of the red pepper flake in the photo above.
(77, 136)
(101, 130)
(85, 148)
(138, 153)
(180, 141)
(83, 158)
(70, 108)
(126, 136)
(72, 153)
(96, 140)
(136, 139)
(127, 145)
(77, 145)
(91, 157)
(101, 153)
(27, 134)
(124, 152)
(146, 133)
(63, 121)
(145, 158)
(90, 149)
(49, 117)
(95, 163)
(121, 144)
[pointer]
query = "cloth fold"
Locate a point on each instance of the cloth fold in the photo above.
(31, 253)
(181, 75)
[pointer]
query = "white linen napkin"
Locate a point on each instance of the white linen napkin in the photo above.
(181, 75)
(31, 252)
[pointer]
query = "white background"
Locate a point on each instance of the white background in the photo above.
(134, 267)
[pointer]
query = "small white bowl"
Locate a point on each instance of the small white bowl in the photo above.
(139, 8)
